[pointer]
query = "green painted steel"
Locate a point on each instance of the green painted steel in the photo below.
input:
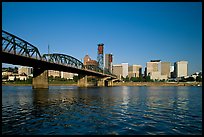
(64, 60)
(18, 46)
(15, 45)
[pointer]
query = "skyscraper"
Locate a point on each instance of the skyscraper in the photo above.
(108, 62)
(100, 56)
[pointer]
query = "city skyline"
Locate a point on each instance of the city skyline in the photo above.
(133, 32)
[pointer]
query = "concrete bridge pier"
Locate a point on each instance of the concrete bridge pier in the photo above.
(101, 83)
(105, 82)
(82, 81)
(40, 78)
(110, 83)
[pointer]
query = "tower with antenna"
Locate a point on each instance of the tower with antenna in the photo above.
(100, 56)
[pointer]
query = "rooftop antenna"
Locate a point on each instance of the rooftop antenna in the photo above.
(48, 49)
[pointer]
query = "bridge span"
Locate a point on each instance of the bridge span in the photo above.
(19, 52)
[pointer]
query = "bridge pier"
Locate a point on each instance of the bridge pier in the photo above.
(110, 83)
(40, 78)
(105, 82)
(82, 81)
(101, 83)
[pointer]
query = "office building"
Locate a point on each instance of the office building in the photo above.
(158, 70)
(153, 66)
(117, 70)
(108, 62)
(54, 73)
(26, 70)
(121, 70)
(134, 71)
(67, 75)
(165, 69)
(181, 69)
(124, 70)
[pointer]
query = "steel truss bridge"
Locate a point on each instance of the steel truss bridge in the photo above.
(20, 52)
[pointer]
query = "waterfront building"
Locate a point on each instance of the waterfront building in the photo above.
(14, 76)
(121, 70)
(181, 69)
(6, 73)
(108, 62)
(165, 69)
(153, 69)
(158, 70)
(89, 61)
(117, 70)
(26, 70)
(67, 75)
(54, 73)
(124, 70)
(134, 71)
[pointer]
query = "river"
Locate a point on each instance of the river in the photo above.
(69, 110)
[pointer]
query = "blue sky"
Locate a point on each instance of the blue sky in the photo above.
(134, 32)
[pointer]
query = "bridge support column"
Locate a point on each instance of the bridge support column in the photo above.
(101, 83)
(105, 82)
(82, 81)
(110, 83)
(40, 78)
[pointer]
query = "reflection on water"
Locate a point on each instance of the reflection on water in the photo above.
(108, 110)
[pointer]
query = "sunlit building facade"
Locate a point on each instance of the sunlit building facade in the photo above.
(181, 68)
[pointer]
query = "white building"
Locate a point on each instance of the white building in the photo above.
(67, 75)
(13, 77)
(124, 70)
(181, 68)
(121, 70)
(158, 70)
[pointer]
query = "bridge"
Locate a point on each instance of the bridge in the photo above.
(19, 52)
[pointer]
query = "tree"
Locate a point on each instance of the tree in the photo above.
(15, 70)
(133, 79)
(190, 79)
(127, 79)
(147, 79)
(75, 78)
(198, 79)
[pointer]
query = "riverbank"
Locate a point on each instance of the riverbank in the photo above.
(158, 84)
(124, 84)
(10, 84)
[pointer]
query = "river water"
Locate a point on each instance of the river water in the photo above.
(69, 110)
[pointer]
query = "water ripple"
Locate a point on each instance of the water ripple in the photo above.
(102, 111)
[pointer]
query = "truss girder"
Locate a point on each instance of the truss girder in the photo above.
(64, 60)
(15, 45)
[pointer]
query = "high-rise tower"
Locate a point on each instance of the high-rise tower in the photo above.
(100, 56)
(108, 62)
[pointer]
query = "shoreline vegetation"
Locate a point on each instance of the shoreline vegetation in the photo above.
(118, 84)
